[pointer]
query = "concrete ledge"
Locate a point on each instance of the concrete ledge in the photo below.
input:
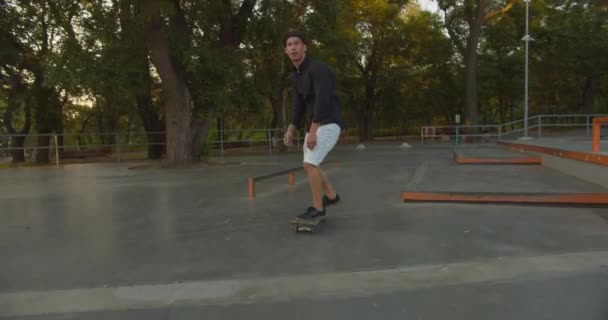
(567, 154)
(585, 166)
(592, 173)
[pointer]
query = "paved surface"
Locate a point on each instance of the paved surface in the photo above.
(106, 227)
(580, 144)
(540, 298)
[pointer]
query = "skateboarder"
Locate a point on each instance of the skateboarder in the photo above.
(314, 89)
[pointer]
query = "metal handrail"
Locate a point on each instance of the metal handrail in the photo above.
(56, 147)
(501, 133)
(498, 131)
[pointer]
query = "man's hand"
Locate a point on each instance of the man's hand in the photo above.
(311, 141)
(288, 137)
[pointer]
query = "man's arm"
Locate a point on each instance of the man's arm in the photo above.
(296, 119)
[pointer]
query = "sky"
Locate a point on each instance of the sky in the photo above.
(430, 5)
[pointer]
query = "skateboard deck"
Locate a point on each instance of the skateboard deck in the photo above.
(312, 226)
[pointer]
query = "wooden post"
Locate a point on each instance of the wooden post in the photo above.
(56, 151)
(251, 188)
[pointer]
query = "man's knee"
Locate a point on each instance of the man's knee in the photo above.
(310, 166)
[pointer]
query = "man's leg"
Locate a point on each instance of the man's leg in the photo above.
(315, 182)
(327, 187)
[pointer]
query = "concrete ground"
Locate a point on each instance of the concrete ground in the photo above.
(103, 241)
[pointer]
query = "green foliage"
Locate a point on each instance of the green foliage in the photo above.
(501, 70)
(392, 62)
(569, 49)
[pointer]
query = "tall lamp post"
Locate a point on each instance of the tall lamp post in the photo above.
(527, 39)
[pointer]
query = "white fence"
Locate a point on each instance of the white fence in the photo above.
(510, 129)
(118, 146)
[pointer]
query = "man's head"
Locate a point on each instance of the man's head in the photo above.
(295, 44)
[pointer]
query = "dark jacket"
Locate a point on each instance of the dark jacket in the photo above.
(315, 89)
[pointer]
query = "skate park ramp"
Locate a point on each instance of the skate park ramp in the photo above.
(103, 241)
(513, 153)
(570, 155)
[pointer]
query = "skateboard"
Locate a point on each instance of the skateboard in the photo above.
(312, 226)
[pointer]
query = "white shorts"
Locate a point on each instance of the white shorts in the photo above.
(327, 137)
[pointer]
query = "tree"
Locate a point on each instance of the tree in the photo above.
(12, 84)
(464, 21)
(501, 66)
(428, 84)
(364, 37)
(29, 46)
(172, 48)
(569, 43)
(266, 59)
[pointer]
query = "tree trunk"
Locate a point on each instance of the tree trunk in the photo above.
(152, 125)
(177, 102)
(233, 26)
(471, 88)
(200, 132)
(366, 127)
(18, 154)
(501, 109)
(367, 116)
(470, 62)
(42, 153)
(366, 124)
(133, 35)
(13, 102)
(592, 84)
(46, 118)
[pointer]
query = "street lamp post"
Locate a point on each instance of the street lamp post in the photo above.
(527, 39)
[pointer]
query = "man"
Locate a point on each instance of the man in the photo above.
(314, 89)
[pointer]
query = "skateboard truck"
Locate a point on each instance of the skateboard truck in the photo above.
(298, 225)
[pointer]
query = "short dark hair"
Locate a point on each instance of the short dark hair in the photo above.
(293, 33)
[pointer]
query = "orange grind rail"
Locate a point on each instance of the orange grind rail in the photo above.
(476, 160)
(597, 123)
(505, 197)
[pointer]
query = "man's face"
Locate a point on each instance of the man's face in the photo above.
(295, 49)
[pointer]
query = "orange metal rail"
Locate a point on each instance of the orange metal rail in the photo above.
(252, 180)
(290, 177)
(474, 160)
(597, 123)
(574, 155)
(515, 198)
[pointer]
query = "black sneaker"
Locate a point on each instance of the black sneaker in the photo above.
(311, 214)
(327, 201)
